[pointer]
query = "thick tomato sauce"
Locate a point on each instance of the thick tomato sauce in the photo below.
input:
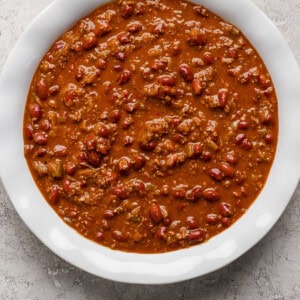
(151, 126)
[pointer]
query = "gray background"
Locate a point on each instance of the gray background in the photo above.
(28, 270)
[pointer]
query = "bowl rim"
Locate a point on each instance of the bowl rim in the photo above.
(148, 268)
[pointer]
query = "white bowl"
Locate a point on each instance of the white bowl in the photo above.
(148, 268)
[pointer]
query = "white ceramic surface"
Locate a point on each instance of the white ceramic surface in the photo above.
(158, 268)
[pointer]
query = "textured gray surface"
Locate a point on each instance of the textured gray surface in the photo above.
(28, 270)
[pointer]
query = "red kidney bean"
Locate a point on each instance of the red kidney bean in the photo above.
(101, 64)
(166, 80)
(127, 141)
(120, 192)
(70, 168)
(179, 193)
(134, 27)
(208, 58)
(200, 11)
(124, 77)
(197, 37)
(243, 124)
(29, 131)
(69, 98)
(93, 158)
(100, 236)
(127, 10)
(240, 138)
(60, 150)
(139, 162)
(109, 214)
(120, 236)
(161, 233)
(103, 131)
(45, 125)
(191, 222)
(226, 221)
(222, 96)
(216, 174)
(231, 158)
(42, 89)
(167, 221)
(155, 213)
(158, 65)
(197, 87)
(91, 142)
(212, 219)
(115, 116)
(89, 41)
(186, 72)
(267, 119)
(196, 235)
(211, 195)
(206, 156)
(124, 164)
(268, 138)
(225, 209)
(40, 138)
(227, 169)
(54, 194)
(35, 111)
(53, 90)
(194, 194)
(232, 53)
(246, 144)
(123, 38)
(120, 56)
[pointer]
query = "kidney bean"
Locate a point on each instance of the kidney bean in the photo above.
(267, 118)
(123, 38)
(91, 142)
(166, 80)
(54, 194)
(194, 194)
(130, 107)
(179, 192)
(155, 213)
(232, 53)
(54, 89)
(212, 219)
(216, 174)
(99, 236)
(243, 124)
(120, 192)
(134, 27)
(45, 125)
(120, 236)
(70, 168)
(161, 233)
(225, 209)
(124, 77)
(42, 89)
(208, 58)
(28, 130)
(120, 56)
(227, 169)
(69, 98)
(186, 72)
(89, 41)
(191, 222)
(60, 150)
(35, 111)
(139, 162)
(40, 138)
(226, 221)
(206, 156)
(268, 138)
(240, 138)
(231, 158)
(211, 194)
(158, 65)
(246, 144)
(196, 235)
(103, 131)
(115, 116)
(197, 87)
(109, 214)
(159, 28)
(127, 141)
(127, 10)
(93, 158)
(200, 11)
(222, 96)
(101, 64)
